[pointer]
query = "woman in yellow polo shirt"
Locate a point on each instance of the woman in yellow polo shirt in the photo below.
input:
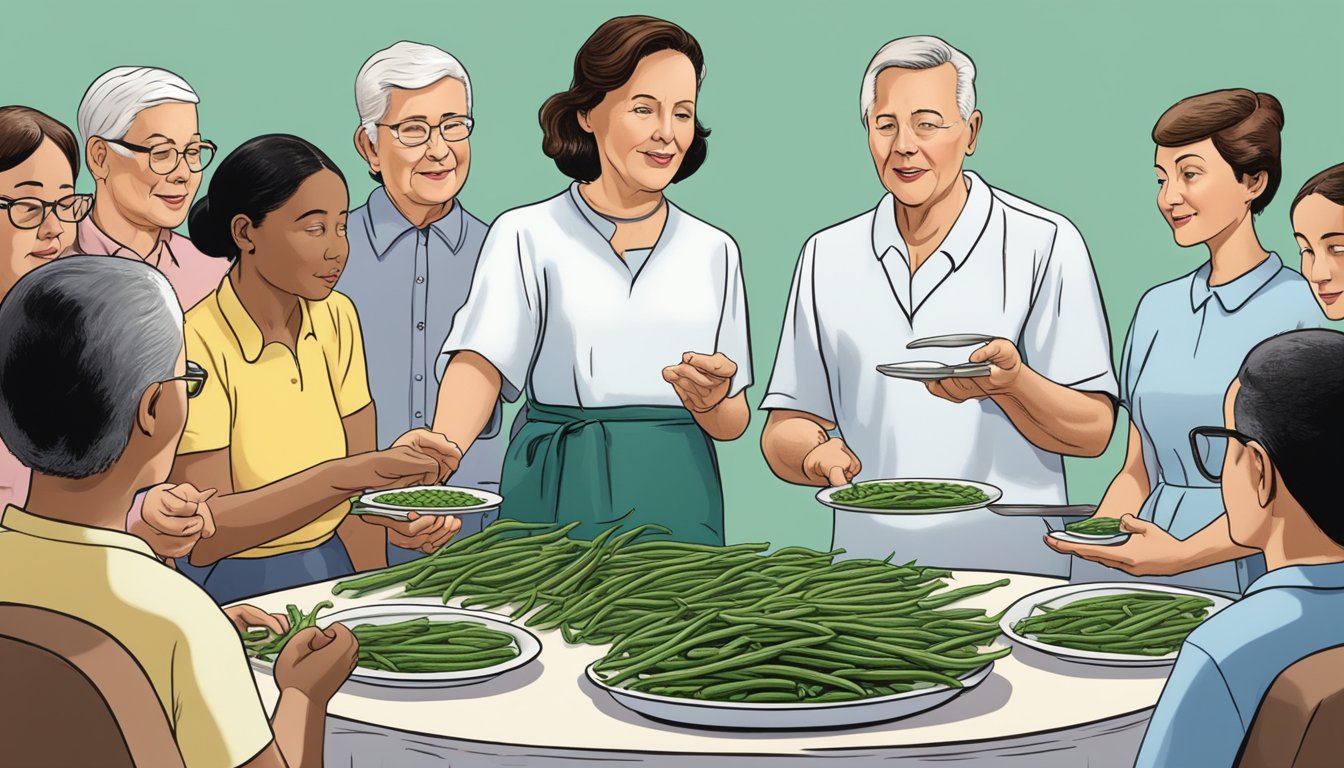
(284, 427)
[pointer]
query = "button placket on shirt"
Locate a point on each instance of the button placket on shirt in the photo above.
(419, 312)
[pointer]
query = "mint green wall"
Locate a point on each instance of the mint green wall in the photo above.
(1069, 91)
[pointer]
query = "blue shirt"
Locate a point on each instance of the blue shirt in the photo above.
(1230, 661)
(406, 284)
(1184, 347)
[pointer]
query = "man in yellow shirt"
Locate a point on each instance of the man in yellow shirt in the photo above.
(95, 405)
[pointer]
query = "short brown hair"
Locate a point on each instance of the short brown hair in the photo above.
(1245, 127)
(21, 132)
(606, 61)
(1328, 184)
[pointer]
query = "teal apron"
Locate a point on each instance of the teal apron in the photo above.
(599, 466)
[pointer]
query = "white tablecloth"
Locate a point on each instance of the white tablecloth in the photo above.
(1032, 711)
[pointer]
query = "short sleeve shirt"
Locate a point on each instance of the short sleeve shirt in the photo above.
(279, 413)
(188, 648)
(560, 314)
(192, 274)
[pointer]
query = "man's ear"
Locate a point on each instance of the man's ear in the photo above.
(146, 412)
(95, 154)
(1266, 476)
(364, 146)
(974, 124)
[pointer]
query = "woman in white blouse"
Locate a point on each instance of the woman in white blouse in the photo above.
(621, 317)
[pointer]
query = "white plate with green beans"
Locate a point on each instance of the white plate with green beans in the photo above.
(802, 715)
(409, 645)
(1110, 624)
(428, 500)
(910, 496)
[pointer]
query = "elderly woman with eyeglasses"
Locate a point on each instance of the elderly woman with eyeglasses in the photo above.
(145, 153)
(39, 160)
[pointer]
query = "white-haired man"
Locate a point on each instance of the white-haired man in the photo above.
(413, 247)
(145, 153)
(942, 253)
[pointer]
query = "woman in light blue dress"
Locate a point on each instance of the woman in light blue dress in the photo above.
(1217, 165)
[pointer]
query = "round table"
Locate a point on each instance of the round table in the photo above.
(1033, 710)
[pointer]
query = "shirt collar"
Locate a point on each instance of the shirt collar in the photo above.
(1236, 293)
(387, 225)
(244, 329)
(605, 227)
(15, 519)
(1323, 576)
(960, 240)
(90, 239)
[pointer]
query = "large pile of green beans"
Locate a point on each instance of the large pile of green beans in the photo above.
(909, 495)
(719, 623)
(415, 645)
(1136, 623)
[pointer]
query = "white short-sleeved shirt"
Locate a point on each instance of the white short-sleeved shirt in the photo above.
(1007, 268)
(564, 318)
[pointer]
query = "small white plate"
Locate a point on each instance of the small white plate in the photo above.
(368, 504)
(992, 492)
(927, 370)
(529, 647)
(1110, 540)
(742, 715)
(1056, 597)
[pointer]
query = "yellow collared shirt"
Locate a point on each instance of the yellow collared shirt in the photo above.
(278, 413)
(188, 648)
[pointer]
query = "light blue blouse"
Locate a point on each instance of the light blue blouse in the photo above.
(1186, 343)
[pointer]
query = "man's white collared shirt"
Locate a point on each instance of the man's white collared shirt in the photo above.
(1008, 269)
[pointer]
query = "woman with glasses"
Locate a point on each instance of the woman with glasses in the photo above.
(145, 153)
(283, 427)
(1217, 166)
(620, 315)
(39, 161)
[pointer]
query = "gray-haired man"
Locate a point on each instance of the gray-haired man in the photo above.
(95, 405)
(413, 248)
(942, 253)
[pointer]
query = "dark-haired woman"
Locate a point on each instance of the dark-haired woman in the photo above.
(1318, 224)
(1217, 165)
(284, 427)
(621, 317)
(39, 160)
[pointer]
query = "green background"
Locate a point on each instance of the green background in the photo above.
(1069, 90)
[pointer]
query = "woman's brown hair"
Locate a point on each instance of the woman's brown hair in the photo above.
(21, 132)
(1328, 184)
(606, 62)
(1245, 127)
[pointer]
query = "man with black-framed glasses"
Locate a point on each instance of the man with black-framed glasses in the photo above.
(146, 155)
(1277, 460)
(413, 247)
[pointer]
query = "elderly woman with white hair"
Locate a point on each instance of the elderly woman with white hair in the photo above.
(942, 253)
(413, 246)
(145, 153)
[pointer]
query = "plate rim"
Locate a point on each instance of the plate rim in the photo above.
(378, 676)
(970, 679)
(492, 500)
(1112, 540)
(888, 370)
(992, 491)
(1105, 658)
